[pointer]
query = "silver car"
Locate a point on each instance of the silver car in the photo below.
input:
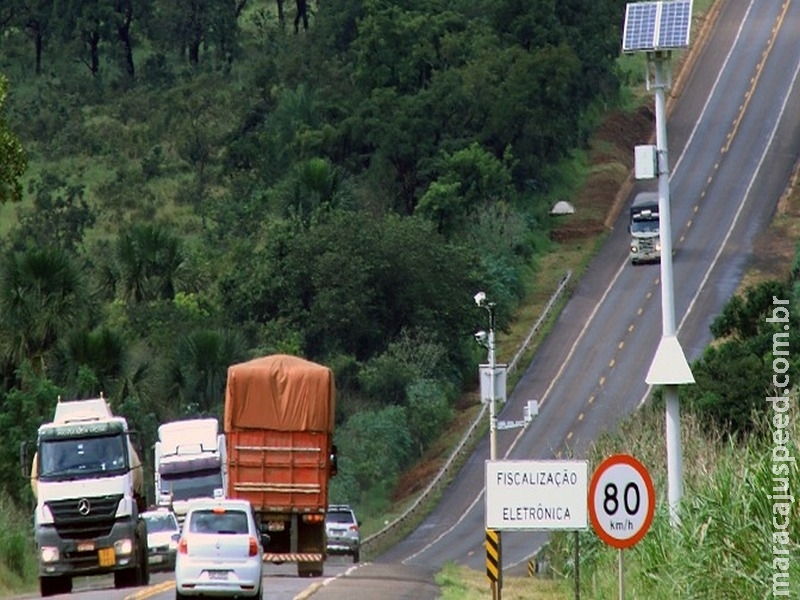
(163, 533)
(220, 551)
(341, 530)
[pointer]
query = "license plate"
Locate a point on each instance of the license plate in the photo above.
(85, 546)
(218, 575)
(156, 559)
(106, 557)
(276, 526)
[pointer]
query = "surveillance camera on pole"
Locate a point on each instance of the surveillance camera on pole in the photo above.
(480, 298)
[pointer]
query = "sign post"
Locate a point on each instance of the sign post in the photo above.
(622, 502)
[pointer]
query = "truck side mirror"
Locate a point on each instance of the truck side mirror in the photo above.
(23, 459)
(334, 460)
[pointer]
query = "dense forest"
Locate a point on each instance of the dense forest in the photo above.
(186, 185)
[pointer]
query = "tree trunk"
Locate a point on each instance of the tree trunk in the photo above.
(37, 32)
(302, 13)
(93, 41)
(281, 16)
(194, 52)
(124, 36)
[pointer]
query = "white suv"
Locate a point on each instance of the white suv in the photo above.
(220, 551)
(341, 529)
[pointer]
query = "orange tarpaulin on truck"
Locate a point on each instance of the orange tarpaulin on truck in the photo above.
(280, 392)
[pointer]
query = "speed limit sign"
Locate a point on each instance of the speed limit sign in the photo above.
(621, 501)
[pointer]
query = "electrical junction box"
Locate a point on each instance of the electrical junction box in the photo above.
(645, 162)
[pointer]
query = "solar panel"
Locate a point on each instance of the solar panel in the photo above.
(662, 25)
(640, 26)
(674, 24)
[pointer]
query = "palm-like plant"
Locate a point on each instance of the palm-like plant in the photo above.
(201, 367)
(41, 298)
(150, 261)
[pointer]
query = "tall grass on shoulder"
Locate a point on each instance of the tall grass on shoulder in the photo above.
(18, 570)
(723, 548)
(461, 583)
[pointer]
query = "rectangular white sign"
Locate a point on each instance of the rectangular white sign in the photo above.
(536, 494)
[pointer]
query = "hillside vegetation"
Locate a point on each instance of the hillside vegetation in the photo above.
(204, 186)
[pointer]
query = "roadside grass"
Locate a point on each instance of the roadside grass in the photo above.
(723, 547)
(461, 583)
(18, 570)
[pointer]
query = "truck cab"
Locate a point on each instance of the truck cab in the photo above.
(87, 480)
(644, 228)
(190, 462)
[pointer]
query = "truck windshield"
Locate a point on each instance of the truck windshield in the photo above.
(185, 486)
(91, 456)
(644, 225)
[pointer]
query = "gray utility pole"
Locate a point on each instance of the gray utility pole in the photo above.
(657, 28)
(669, 367)
(480, 300)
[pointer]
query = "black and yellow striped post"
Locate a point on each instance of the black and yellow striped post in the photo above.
(494, 562)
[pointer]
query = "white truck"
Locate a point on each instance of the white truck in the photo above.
(89, 488)
(190, 462)
(644, 228)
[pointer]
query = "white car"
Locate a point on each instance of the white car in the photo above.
(220, 551)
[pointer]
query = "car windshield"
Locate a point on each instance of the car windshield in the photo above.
(219, 521)
(185, 486)
(157, 523)
(644, 226)
(339, 517)
(98, 456)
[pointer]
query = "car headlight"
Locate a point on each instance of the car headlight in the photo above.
(634, 248)
(173, 545)
(658, 247)
(49, 554)
(123, 546)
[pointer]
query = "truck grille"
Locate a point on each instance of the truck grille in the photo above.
(70, 523)
(647, 245)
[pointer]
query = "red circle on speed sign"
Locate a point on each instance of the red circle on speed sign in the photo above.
(622, 501)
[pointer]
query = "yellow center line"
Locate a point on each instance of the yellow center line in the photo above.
(754, 80)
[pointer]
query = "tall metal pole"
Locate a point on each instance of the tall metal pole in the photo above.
(492, 366)
(497, 586)
(673, 433)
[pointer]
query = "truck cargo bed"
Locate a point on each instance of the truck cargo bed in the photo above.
(279, 471)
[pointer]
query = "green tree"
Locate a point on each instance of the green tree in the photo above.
(41, 299)
(22, 410)
(428, 412)
(92, 361)
(200, 368)
(14, 161)
(150, 261)
(60, 214)
(377, 444)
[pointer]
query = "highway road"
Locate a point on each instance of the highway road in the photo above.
(734, 138)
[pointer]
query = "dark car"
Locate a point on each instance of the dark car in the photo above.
(341, 528)
(163, 534)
